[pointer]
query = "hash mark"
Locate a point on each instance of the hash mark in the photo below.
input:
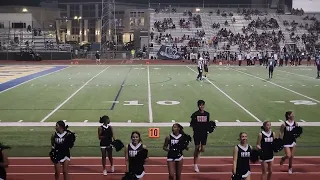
(85, 121)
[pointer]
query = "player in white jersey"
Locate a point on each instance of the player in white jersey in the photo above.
(200, 68)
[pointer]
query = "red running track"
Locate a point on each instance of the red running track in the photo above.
(213, 168)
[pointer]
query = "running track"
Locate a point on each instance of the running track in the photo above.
(211, 168)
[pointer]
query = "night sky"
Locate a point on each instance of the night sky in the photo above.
(36, 2)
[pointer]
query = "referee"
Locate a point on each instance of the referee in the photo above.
(199, 123)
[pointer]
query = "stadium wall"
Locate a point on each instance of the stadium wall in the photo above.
(308, 6)
(8, 18)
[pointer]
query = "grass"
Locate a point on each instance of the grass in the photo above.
(231, 94)
(36, 142)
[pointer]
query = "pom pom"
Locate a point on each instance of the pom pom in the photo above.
(212, 126)
(254, 156)
(129, 176)
(71, 138)
(236, 177)
(297, 131)
(53, 154)
(117, 144)
(277, 145)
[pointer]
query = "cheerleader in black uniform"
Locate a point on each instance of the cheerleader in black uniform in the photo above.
(241, 157)
(106, 136)
(174, 158)
(131, 151)
(286, 131)
(4, 163)
(60, 143)
(264, 143)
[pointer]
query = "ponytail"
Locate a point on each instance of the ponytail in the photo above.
(287, 115)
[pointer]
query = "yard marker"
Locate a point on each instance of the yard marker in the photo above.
(64, 120)
(302, 120)
(129, 121)
(149, 96)
(64, 102)
(230, 98)
(279, 86)
(238, 120)
(20, 120)
(216, 121)
(85, 121)
(173, 121)
(280, 120)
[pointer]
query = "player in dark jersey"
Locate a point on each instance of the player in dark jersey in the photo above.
(264, 143)
(106, 136)
(205, 66)
(131, 151)
(199, 122)
(200, 69)
(317, 62)
(270, 66)
(241, 157)
(286, 132)
(60, 143)
(4, 163)
(174, 157)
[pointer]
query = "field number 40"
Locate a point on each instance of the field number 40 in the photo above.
(303, 102)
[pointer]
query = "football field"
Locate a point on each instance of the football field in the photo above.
(137, 97)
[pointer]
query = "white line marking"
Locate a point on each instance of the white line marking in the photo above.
(238, 120)
(32, 80)
(297, 74)
(64, 102)
(20, 120)
(302, 120)
(278, 101)
(64, 120)
(279, 86)
(125, 124)
(149, 96)
(216, 121)
(129, 121)
(303, 85)
(148, 165)
(173, 121)
(85, 121)
(163, 158)
(290, 84)
(316, 85)
(191, 173)
(280, 120)
(239, 85)
(175, 85)
(257, 119)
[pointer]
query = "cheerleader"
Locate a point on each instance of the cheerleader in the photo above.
(289, 141)
(264, 143)
(241, 157)
(106, 136)
(131, 151)
(174, 157)
(4, 163)
(61, 145)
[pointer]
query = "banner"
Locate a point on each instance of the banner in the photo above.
(168, 53)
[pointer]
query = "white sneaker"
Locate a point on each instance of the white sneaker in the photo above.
(290, 171)
(196, 169)
(112, 168)
(105, 172)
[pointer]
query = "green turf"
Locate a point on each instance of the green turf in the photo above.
(34, 100)
(25, 142)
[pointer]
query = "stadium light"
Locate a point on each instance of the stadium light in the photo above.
(24, 10)
(197, 9)
(80, 17)
(76, 17)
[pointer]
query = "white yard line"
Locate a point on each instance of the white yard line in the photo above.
(243, 108)
(33, 79)
(278, 85)
(156, 158)
(126, 124)
(314, 78)
(149, 97)
(150, 165)
(148, 173)
(64, 102)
